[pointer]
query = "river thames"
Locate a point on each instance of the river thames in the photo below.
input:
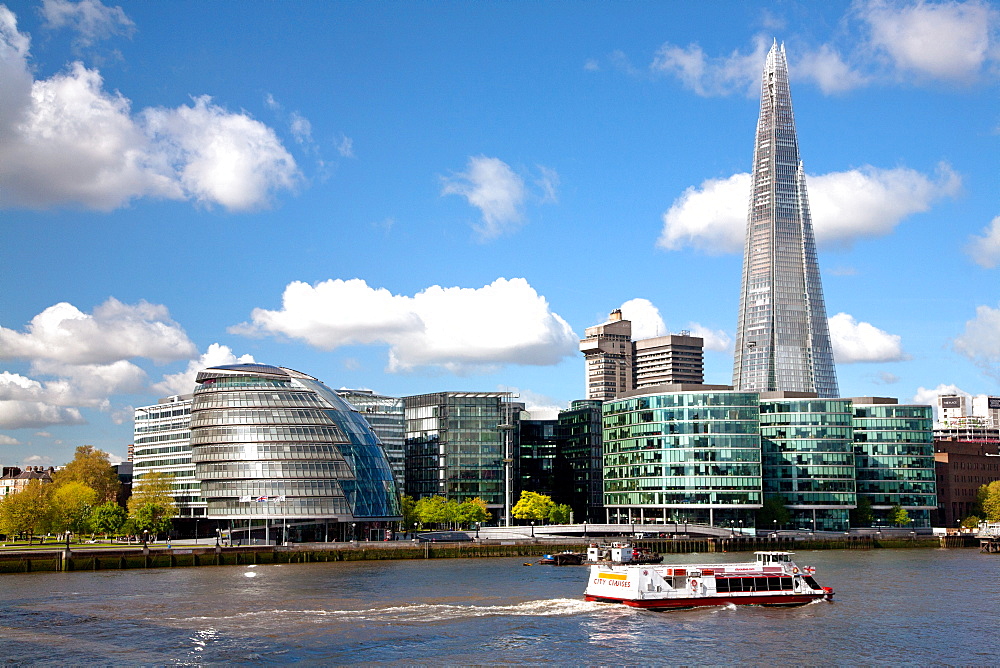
(892, 607)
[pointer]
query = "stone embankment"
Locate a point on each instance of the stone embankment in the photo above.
(111, 558)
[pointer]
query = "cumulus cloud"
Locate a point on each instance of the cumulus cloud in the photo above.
(66, 141)
(184, 381)
(345, 147)
(459, 330)
(25, 402)
(716, 340)
(855, 341)
(645, 317)
(92, 20)
(115, 331)
(926, 396)
(980, 342)
(8, 440)
(845, 206)
(37, 460)
(490, 185)
(706, 76)
(828, 69)
(985, 249)
(940, 40)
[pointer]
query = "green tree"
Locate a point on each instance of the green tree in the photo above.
(151, 517)
(472, 511)
(108, 519)
(433, 510)
(971, 522)
(989, 500)
(152, 503)
(774, 513)
(898, 516)
(862, 516)
(71, 504)
(90, 467)
(26, 512)
(560, 514)
(532, 506)
(409, 511)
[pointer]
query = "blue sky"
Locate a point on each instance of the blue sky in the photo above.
(417, 197)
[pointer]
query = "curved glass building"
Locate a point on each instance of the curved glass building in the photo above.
(683, 456)
(270, 443)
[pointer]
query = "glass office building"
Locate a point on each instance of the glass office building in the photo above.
(782, 335)
(808, 455)
(162, 444)
(580, 438)
(688, 456)
(385, 415)
(276, 447)
(894, 457)
(455, 447)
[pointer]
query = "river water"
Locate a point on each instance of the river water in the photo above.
(892, 607)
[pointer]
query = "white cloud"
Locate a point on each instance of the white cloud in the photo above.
(828, 69)
(940, 40)
(845, 207)
(345, 147)
(37, 460)
(716, 340)
(459, 330)
(548, 182)
(855, 341)
(886, 378)
(43, 434)
(301, 128)
(92, 20)
(539, 406)
(980, 341)
(925, 396)
(646, 319)
(115, 331)
(985, 250)
(737, 72)
(490, 185)
(184, 382)
(65, 141)
(8, 440)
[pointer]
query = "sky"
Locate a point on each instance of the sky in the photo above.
(442, 196)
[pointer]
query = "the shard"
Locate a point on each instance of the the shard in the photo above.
(782, 335)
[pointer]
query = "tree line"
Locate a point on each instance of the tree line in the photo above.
(439, 512)
(83, 499)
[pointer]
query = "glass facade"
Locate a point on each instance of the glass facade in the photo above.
(537, 447)
(162, 444)
(782, 335)
(808, 454)
(580, 437)
(455, 447)
(385, 415)
(269, 442)
(685, 456)
(894, 456)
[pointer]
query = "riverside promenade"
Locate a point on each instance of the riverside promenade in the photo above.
(493, 542)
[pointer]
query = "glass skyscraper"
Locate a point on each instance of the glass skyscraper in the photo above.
(782, 334)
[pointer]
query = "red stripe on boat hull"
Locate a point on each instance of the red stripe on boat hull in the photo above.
(666, 604)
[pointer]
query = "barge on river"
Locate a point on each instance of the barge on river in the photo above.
(772, 579)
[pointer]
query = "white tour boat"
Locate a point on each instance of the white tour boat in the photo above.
(772, 579)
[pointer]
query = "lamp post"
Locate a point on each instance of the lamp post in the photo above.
(414, 529)
(68, 534)
(218, 536)
(741, 528)
(145, 538)
(353, 527)
(196, 532)
(532, 528)
(775, 527)
(478, 524)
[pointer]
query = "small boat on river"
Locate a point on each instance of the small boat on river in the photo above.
(621, 553)
(771, 579)
(567, 558)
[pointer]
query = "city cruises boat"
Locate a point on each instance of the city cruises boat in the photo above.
(621, 553)
(771, 579)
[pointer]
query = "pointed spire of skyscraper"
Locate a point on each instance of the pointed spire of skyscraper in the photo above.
(782, 335)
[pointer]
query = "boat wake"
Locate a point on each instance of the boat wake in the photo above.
(418, 613)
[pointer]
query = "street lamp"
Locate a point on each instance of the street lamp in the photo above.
(353, 526)
(532, 529)
(478, 524)
(196, 531)
(218, 535)
(145, 538)
(414, 529)
(775, 527)
(68, 534)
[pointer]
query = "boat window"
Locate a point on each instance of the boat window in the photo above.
(812, 583)
(787, 583)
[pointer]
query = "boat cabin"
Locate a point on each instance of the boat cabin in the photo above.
(773, 558)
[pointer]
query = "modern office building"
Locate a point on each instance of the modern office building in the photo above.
(683, 453)
(460, 445)
(894, 457)
(385, 415)
(961, 468)
(162, 444)
(278, 453)
(808, 454)
(988, 407)
(538, 463)
(581, 448)
(615, 364)
(782, 334)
